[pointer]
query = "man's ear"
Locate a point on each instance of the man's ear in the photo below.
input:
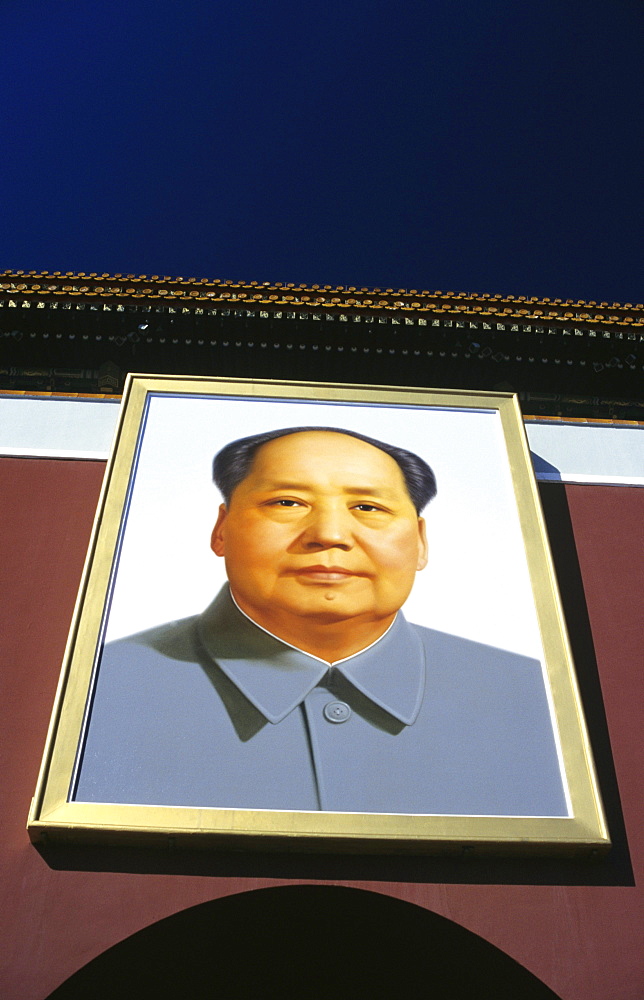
(423, 548)
(218, 532)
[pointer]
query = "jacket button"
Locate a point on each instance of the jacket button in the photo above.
(337, 711)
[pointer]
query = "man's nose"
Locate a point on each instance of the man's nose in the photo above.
(328, 527)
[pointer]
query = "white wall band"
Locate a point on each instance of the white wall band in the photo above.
(61, 427)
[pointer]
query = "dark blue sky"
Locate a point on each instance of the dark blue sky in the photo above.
(486, 145)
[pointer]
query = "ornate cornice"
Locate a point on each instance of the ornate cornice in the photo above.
(82, 332)
(105, 291)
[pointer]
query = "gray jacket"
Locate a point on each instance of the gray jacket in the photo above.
(212, 711)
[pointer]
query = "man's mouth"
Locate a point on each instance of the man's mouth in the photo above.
(325, 574)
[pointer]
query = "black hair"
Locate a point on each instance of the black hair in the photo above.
(234, 462)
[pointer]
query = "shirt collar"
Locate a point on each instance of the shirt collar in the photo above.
(276, 677)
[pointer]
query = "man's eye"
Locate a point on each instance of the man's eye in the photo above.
(367, 507)
(285, 503)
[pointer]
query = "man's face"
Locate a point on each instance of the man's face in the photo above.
(322, 528)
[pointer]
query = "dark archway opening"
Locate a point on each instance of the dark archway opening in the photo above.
(309, 941)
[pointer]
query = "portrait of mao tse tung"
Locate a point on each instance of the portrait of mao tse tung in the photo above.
(302, 686)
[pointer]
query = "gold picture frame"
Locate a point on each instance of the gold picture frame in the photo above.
(490, 586)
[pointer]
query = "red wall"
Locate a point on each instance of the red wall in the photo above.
(577, 925)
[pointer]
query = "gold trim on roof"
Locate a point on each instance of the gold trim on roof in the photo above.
(39, 288)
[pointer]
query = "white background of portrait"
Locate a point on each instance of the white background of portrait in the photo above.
(476, 583)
